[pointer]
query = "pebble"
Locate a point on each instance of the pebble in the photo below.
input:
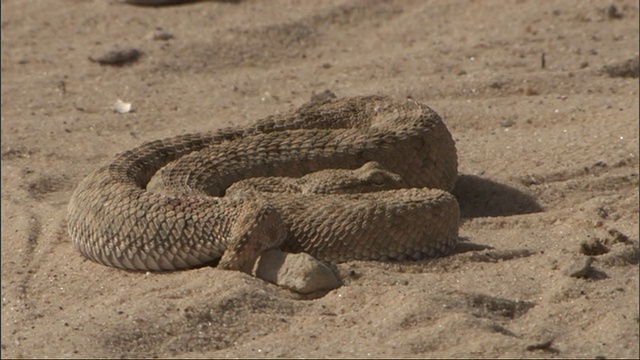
(593, 247)
(118, 57)
(581, 269)
(543, 345)
(300, 272)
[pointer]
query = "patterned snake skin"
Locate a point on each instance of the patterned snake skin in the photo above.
(117, 219)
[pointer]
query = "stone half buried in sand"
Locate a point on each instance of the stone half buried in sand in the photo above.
(300, 272)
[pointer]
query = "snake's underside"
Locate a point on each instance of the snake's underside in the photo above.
(398, 153)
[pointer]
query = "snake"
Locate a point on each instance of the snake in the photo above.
(180, 202)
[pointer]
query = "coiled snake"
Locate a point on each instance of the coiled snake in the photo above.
(117, 220)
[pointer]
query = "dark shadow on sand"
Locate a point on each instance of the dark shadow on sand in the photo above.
(480, 197)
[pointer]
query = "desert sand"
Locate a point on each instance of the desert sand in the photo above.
(540, 96)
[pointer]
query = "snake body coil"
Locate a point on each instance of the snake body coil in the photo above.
(116, 220)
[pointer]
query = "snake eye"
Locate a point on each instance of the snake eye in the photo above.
(377, 178)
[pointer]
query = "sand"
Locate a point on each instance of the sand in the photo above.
(538, 95)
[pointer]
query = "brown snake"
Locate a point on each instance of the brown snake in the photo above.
(116, 220)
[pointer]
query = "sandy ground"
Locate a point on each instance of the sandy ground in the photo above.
(548, 163)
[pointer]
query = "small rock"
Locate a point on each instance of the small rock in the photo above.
(300, 272)
(122, 107)
(544, 345)
(507, 123)
(118, 57)
(529, 91)
(593, 247)
(624, 69)
(160, 35)
(628, 255)
(602, 212)
(618, 237)
(613, 13)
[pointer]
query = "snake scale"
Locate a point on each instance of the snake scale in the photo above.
(115, 218)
